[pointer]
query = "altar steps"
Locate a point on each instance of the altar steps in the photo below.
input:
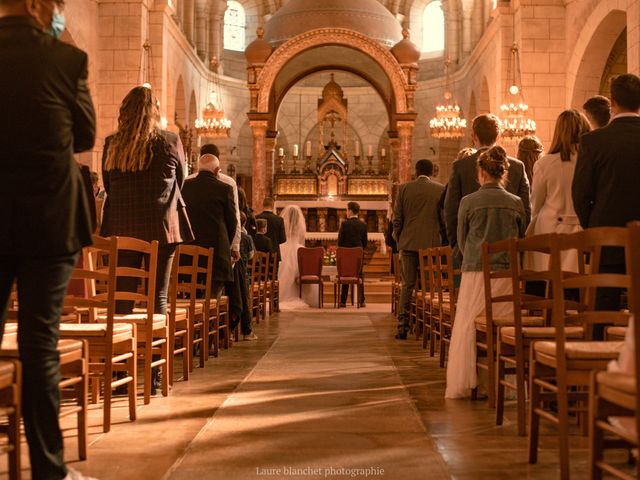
(377, 265)
(376, 291)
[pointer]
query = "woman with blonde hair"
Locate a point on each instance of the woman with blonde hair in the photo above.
(143, 170)
(489, 215)
(551, 203)
(529, 152)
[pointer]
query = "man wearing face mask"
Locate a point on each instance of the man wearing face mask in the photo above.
(47, 116)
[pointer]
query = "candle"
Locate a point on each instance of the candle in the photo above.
(295, 149)
(281, 152)
(370, 151)
(308, 148)
(383, 152)
(357, 149)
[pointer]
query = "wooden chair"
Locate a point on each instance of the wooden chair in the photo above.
(616, 394)
(423, 298)
(349, 266)
(560, 370)
(187, 312)
(264, 283)
(255, 297)
(111, 343)
(495, 313)
(74, 381)
(310, 270)
(514, 342)
(444, 304)
(10, 399)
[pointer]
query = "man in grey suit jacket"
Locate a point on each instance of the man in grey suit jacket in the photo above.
(415, 226)
(464, 177)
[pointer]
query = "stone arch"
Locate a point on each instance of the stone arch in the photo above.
(334, 36)
(592, 49)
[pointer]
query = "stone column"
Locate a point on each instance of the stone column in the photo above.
(216, 30)
(201, 25)
(259, 173)
(466, 33)
(405, 137)
(188, 19)
(394, 143)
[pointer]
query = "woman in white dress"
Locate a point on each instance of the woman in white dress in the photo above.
(551, 203)
(488, 215)
(295, 229)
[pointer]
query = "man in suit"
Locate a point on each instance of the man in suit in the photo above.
(464, 177)
(47, 115)
(605, 183)
(415, 227)
(275, 225)
(213, 219)
(261, 241)
(353, 233)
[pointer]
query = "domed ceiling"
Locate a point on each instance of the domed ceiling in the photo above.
(368, 17)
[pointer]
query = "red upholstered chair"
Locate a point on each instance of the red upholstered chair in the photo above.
(310, 270)
(349, 264)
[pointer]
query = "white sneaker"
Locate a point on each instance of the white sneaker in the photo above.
(251, 336)
(76, 475)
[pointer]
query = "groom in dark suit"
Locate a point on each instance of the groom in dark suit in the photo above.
(353, 233)
(464, 176)
(275, 225)
(605, 184)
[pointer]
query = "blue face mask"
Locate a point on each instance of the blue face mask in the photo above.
(57, 24)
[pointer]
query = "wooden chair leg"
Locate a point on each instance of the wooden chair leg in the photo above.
(164, 347)
(82, 399)
(596, 437)
(521, 398)
(563, 432)
(132, 387)
(106, 417)
(148, 376)
(500, 388)
(534, 418)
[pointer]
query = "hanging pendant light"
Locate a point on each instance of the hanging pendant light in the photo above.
(448, 122)
(213, 123)
(515, 122)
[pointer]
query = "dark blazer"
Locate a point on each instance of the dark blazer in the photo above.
(415, 215)
(353, 233)
(91, 199)
(147, 204)
(275, 229)
(46, 115)
(263, 243)
(607, 178)
(464, 180)
(213, 219)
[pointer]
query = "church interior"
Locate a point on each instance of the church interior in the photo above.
(317, 104)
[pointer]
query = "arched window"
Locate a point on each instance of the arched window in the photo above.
(433, 28)
(234, 26)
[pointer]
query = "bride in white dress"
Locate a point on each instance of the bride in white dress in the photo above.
(295, 228)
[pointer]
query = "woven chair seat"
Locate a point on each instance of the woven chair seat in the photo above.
(159, 319)
(582, 350)
(528, 321)
(508, 334)
(618, 388)
(93, 330)
(616, 333)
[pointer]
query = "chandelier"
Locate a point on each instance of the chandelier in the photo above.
(515, 122)
(448, 122)
(213, 123)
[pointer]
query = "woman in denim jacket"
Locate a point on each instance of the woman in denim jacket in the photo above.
(488, 215)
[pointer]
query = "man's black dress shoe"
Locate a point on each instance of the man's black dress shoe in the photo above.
(401, 336)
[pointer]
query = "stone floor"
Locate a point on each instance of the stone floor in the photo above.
(325, 394)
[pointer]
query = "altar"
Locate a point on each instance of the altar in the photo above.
(324, 181)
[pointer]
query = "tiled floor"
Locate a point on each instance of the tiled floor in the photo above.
(324, 394)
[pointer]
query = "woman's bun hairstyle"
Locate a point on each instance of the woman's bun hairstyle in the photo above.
(494, 161)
